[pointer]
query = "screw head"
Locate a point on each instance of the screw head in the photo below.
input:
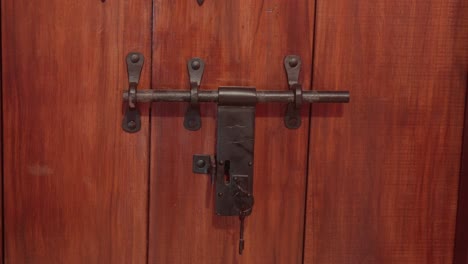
(192, 123)
(221, 162)
(220, 194)
(293, 121)
(196, 64)
(131, 124)
(293, 62)
(135, 58)
(201, 164)
(250, 163)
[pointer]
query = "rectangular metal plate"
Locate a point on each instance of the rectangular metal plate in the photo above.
(235, 152)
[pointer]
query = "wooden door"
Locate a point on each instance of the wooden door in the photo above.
(374, 181)
(75, 185)
(384, 170)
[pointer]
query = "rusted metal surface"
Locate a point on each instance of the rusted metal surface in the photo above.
(167, 95)
(132, 122)
(295, 97)
(192, 120)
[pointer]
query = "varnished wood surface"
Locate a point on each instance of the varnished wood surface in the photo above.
(1, 163)
(384, 170)
(461, 235)
(243, 43)
(75, 183)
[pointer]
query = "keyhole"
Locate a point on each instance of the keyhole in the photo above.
(227, 174)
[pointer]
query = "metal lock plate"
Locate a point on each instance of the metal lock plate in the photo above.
(235, 152)
(232, 172)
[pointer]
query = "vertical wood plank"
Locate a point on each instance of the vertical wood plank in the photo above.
(243, 43)
(76, 184)
(384, 169)
(1, 156)
(461, 234)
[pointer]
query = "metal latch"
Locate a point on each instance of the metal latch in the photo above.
(231, 168)
(232, 172)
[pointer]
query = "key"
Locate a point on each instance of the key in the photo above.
(241, 239)
(243, 199)
(244, 202)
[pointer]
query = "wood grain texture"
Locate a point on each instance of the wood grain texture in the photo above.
(76, 184)
(384, 170)
(1, 160)
(461, 233)
(243, 43)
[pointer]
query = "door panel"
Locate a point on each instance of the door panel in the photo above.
(75, 183)
(1, 171)
(384, 169)
(461, 234)
(243, 43)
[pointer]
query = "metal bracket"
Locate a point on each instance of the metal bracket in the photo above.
(204, 164)
(132, 122)
(292, 119)
(192, 120)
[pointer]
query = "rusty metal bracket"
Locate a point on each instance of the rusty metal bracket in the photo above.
(192, 120)
(292, 119)
(132, 122)
(204, 164)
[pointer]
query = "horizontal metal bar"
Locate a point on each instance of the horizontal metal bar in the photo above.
(262, 96)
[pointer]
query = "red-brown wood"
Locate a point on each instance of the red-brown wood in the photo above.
(461, 235)
(75, 183)
(1, 163)
(384, 170)
(243, 43)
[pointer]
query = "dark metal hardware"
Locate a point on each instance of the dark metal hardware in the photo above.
(132, 122)
(234, 151)
(241, 233)
(167, 95)
(292, 119)
(233, 164)
(295, 97)
(231, 169)
(201, 164)
(234, 154)
(192, 120)
(200, 2)
(204, 164)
